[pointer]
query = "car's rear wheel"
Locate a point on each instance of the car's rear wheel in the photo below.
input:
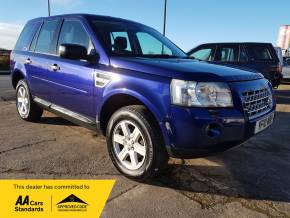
(26, 107)
(135, 144)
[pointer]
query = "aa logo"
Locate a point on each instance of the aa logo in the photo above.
(22, 200)
(25, 204)
(72, 203)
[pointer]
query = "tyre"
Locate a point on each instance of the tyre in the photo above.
(26, 107)
(135, 144)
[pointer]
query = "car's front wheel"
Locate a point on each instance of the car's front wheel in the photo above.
(135, 144)
(26, 107)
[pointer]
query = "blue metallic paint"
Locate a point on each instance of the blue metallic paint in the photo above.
(148, 80)
(185, 69)
(152, 91)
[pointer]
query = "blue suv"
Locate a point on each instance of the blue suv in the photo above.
(133, 85)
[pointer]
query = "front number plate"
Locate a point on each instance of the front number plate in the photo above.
(264, 123)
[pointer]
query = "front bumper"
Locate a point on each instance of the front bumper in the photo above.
(199, 131)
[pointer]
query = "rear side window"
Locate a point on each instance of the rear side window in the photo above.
(204, 54)
(73, 32)
(34, 40)
(261, 53)
(46, 37)
(26, 36)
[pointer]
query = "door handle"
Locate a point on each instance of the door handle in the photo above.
(28, 61)
(54, 67)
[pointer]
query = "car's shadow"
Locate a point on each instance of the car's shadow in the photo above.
(56, 121)
(258, 170)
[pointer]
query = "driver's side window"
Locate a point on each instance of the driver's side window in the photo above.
(73, 32)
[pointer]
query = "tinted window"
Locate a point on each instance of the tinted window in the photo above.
(33, 43)
(26, 36)
(261, 53)
(151, 46)
(73, 32)
(204, 54)
(243, 55)
(227, 53)
(46, 36)
(121, 39)
(124, 35)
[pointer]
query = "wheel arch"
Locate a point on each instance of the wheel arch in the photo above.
(121, 98)
(16, 76)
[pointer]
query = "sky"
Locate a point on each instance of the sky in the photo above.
(189, 22)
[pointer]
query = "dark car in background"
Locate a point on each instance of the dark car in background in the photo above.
(4, 59)
(260, 57)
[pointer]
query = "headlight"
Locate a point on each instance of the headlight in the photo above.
(202, 94)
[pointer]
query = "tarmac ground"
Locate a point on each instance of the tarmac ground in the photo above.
(252, 180)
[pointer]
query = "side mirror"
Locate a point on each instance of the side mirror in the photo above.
(93, 57)
(73, 52)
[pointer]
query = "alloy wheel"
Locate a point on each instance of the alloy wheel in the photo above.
(129, 145)
(22, 101)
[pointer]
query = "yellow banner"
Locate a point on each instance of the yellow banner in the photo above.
(53, 198)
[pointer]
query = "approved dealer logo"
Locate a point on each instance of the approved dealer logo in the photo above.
(72, 203)
(53, 198)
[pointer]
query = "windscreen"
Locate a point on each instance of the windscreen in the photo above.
(135, 40)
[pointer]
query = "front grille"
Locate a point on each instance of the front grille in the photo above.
(257, 102)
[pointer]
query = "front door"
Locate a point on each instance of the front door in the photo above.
(73, 80)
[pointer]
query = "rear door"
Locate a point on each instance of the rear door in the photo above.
(42, 49)
(73, 80)
(231, 55)
(21, 54)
